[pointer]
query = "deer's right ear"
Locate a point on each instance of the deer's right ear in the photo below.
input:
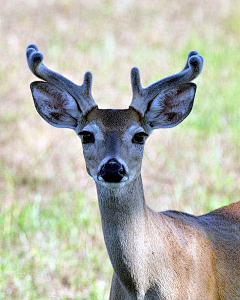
(55, 106)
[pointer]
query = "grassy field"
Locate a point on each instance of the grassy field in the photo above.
(51, 243)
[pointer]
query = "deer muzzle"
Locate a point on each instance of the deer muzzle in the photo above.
(112, 171)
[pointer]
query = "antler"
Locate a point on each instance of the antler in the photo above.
(81, 93)
(143, 96)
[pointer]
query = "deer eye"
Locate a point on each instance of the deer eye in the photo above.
(138, 138)
(87, 137)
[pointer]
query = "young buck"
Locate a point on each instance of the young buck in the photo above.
(166, 255)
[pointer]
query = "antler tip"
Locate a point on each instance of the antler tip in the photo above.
(88, 76)
(34, 57)
(32, 46)
(196, 62)
(193, 52)
(87, 81)
(135, 78)
(135, 72)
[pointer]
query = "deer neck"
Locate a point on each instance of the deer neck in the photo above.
(125, 222)
(123, 208)
(136, 237)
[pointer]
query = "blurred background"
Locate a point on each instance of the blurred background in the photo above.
(51, 243)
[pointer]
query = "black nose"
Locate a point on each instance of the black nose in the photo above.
(112, 171)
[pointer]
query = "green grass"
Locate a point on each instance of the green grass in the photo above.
(51, 243)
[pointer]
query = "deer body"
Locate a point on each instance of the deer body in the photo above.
(168, 255)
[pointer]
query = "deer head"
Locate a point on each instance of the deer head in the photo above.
(113, 140)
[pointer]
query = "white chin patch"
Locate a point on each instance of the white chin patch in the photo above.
(112, 185)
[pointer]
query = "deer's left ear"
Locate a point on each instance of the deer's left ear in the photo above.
(171, 106)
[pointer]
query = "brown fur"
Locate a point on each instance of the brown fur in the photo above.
(168, 255)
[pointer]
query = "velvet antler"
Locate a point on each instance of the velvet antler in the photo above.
(143, 96)
(81, 93)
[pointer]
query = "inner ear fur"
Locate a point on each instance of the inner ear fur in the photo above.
(55, 106)
(171, 106)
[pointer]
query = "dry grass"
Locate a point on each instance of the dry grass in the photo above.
(51, 241)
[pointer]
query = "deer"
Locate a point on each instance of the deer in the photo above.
(168, 255)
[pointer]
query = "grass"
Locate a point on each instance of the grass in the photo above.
(51, 243)
(41, 242)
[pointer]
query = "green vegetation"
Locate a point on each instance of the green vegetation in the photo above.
(51, 243)
(44, 244)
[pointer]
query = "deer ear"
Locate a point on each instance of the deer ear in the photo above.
(56, 107)
(171, 106)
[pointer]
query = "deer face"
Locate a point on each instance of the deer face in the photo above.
(113, 143)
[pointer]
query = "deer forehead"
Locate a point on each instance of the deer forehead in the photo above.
(113, 120)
